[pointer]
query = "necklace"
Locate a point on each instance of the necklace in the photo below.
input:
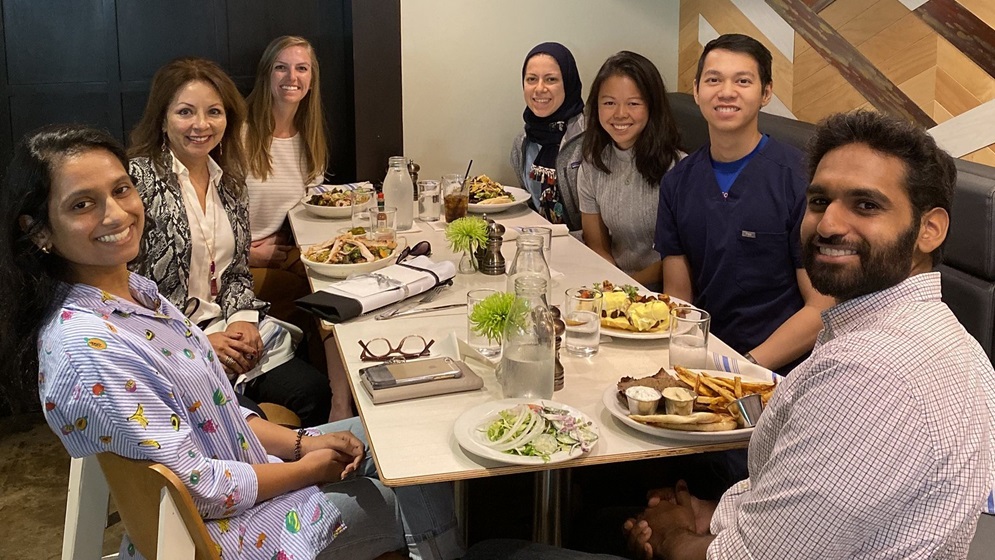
(210, 243)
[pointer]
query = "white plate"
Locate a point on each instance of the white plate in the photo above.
(472, 439)
(521, 196)
(636, 335)
(343, 270)
(337, 212)
(610, 399)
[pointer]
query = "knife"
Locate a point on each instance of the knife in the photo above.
(423, 310)
(404, 306)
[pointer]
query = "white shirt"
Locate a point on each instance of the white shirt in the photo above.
(210, 231)
(270, 200)
(878, 446)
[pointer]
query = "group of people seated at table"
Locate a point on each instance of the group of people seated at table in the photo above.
(128, 288)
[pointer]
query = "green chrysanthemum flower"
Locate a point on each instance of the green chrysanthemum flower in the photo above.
(467, 234)
(490, 315)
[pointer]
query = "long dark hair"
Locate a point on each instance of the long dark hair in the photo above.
(33, 280)
(148, 136)
(656, 149)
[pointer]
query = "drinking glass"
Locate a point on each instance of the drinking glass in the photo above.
(582, 317)
(545, 233)
(689, 328)
(429, 201)
(456, 196)
(384, 224)
(363, 199)
(479, 342)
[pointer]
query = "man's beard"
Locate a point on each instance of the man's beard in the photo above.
(878, 269)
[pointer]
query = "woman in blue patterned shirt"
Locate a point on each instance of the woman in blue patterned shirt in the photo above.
(121, 369)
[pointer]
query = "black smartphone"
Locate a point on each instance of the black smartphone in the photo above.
(409, 373)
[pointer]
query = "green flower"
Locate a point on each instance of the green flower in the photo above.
(490, 315)
(467, 234)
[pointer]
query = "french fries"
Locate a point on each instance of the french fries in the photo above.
(717, 393)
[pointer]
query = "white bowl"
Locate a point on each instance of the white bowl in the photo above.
(343, 270)
(327, 211)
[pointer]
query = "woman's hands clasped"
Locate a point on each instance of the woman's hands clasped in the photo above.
(239, 347)
(333, 456)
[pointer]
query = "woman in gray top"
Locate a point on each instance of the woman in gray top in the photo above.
(546, 154)
(630, 142)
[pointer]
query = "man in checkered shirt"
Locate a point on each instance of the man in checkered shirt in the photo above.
(882, 443)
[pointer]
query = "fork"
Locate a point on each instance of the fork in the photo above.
(430, 296)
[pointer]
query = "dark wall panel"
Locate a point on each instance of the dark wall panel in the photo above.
(41, 33)
(29, 112)
(151, 33)
(257, 22)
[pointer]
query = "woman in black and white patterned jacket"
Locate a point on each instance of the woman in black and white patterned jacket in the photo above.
(189, 167)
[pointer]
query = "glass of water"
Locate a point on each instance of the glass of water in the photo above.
(429, 201)
(689, 337)
(582, 316)
(487, 347)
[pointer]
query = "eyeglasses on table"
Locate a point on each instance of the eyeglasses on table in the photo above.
(382, 350)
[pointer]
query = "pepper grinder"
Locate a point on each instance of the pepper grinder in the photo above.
(559, 327)
(413, 169)
(492, 262)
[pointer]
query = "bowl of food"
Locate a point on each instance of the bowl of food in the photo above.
(334, 203)
(489, 196)
(351, 254)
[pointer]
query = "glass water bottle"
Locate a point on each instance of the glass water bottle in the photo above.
(528, 343)
(529, 261)
(397, 188)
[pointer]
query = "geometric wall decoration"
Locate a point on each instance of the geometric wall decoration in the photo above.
(929, 61)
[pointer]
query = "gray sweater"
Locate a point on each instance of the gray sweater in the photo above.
(567, 163)
(627, 204)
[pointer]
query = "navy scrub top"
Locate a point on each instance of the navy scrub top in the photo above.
(744, 247)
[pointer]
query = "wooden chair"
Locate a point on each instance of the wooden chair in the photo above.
(158, 513)
(280, 415)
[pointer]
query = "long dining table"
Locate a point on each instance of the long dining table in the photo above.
(413, 441)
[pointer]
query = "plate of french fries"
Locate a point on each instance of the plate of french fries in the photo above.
(711, 421)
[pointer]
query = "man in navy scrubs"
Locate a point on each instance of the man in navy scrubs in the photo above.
(729, 215)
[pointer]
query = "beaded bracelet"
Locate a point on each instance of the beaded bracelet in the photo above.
(297, 445)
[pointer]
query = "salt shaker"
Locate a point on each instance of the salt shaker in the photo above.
(492, 262)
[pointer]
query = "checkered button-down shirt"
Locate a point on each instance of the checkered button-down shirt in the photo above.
(880, 445)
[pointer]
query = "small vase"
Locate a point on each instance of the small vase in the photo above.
(468, 263)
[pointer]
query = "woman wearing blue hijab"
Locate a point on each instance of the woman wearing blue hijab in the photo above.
(547, 154)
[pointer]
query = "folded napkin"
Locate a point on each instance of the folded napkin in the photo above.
(733, 364)
(363, 293)
(318, 189)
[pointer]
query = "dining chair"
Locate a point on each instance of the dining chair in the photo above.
(158, 513)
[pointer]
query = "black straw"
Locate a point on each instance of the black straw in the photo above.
(467, 174)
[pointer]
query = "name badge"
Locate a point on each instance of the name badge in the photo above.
(748, 234)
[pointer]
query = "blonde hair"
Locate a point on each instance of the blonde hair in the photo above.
(309, 119)
(148, 136)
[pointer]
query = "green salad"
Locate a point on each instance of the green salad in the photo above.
(536, 430)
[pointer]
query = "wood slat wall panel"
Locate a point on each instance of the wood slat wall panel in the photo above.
(940, 113)
(985, 156)
(984, 9)
(842, 12)
(911, 61)
(689, 12)
(953, 96)
(921, 89)
(822, 83)
(895, 38)
(807, 64)
(844, 99)
(878, 17)
(964, 70)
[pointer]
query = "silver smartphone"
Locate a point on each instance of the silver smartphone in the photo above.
(409, 373)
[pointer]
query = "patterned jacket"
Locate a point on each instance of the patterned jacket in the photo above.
(166, 248)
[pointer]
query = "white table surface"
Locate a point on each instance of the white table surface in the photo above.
(413, 440)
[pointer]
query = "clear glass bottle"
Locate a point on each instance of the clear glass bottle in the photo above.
(397, 188)
(529, 261)
(528, 343)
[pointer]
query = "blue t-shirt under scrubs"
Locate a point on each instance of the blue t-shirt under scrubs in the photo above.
(744, 245)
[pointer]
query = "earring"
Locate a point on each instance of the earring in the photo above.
(221, 149)
(46, 249)
(164, 147)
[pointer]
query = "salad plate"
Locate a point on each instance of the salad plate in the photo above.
(521, 196)
(471, 431)
(344, 270)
